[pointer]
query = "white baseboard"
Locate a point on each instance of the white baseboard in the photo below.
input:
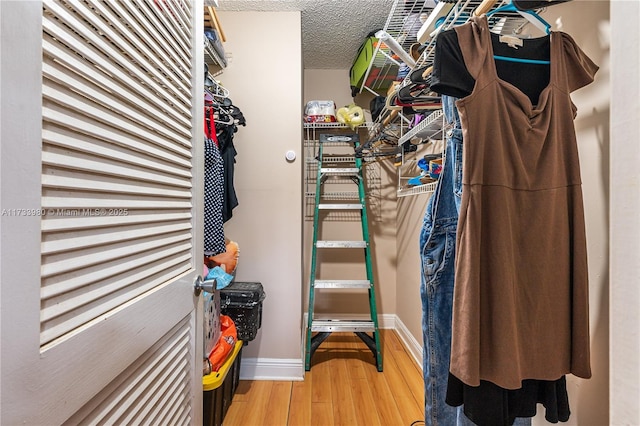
(411, 343)
(271, 369)
(293, 369)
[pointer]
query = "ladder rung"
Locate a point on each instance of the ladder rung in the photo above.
(339, 138)
(339, 170)
(341, 244)
(342, 325)
(342, 284)
(338, 159)
(340, 206)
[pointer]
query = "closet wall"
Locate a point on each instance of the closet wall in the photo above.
(624, 392)
(264, 78)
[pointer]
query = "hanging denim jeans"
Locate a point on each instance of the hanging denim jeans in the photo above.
(437, 250)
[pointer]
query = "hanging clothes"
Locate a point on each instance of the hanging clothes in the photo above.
(437, 252)
(228, 153)
(437, 247)
(466, 68)
(230, 117)
(214, 242)
(521, 292)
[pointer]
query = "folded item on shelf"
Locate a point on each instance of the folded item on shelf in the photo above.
(214, 39)
(320, 112)
(352, 115)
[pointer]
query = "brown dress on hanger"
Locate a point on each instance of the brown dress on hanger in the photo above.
(520, 307)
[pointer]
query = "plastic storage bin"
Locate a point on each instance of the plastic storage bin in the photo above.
(219, 388)
(242, 301)
(212, 329)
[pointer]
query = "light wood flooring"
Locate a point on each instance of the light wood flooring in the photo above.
(343, 388)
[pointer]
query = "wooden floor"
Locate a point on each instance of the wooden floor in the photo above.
(343, 388)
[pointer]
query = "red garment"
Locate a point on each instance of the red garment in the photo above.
(210, 124)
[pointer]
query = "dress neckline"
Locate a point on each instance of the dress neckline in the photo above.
(523, 98)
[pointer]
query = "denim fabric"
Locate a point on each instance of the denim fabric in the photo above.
(437, 250)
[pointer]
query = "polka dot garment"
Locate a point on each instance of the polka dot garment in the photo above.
(213, 199)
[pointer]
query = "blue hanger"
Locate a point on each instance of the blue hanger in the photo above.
(523, 60)
(532, 17)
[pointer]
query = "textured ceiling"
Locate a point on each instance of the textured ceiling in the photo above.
(332, 30)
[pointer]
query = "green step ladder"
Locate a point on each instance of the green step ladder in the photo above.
(318, 330)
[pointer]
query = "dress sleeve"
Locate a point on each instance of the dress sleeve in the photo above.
(450, 75)
(579, 67)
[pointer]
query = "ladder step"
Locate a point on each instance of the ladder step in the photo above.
(339, 170)
(341, 244)
(338, 159)
(340, 206)
(339, 138)
(342, 325)
(342, 284)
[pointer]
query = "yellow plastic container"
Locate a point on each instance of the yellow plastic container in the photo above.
(219, 388)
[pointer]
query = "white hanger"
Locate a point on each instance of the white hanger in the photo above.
(529, 15)
(215, 88)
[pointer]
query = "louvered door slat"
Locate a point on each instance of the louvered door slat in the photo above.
(169, 405)
(106, 278)
(78, 162)
(121, 37)
(78, 315)
(57, 44)
(61, 263)
(141, 98)
(78, 182)
(160, 389)
(149, 47)
(156, 30)
(103, 151)
(167, 33)
(96, 103)
(62, 138)
(137, 396)
(83, 40)
(77, 127)
(117, 157)
(88, 239)
(57, 222)
(87, 19)
(122, 201)
(177, 32)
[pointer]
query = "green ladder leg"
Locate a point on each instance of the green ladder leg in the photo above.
(366, 330)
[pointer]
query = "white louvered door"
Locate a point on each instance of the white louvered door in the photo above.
(102, 182)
